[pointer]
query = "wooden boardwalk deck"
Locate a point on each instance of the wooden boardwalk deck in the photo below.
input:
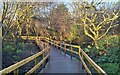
(59, 63)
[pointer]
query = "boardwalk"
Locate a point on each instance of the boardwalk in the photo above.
(59, 63)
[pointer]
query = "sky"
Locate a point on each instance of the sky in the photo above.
(65, 1)
(58, 0)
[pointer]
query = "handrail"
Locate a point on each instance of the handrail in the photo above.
(97, 68)
(81, 52)
(16, 66)
(82, 55)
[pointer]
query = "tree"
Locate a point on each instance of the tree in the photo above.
(60, 20)
(97, 22)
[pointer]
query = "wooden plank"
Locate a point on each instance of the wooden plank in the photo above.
(97, 68)
(62, 64)
(75, 46)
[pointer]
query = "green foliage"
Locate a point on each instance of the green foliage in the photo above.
(114, 49)
(103, 59)
(21, 46)
(108, 54)
(87, 50)
(111, 68)
(111, 58)
(9, 49)
(101, 44)
(19, 51)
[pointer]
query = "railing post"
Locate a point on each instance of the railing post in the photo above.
(43, 58)
(79, 50)
(65, 49)
(35, 60)
(83, 59)
(44, 46)
(57, 45)
(48, 53)
(71, 51)
(49, 42)
(16, 72)
(54, 43)
(60, 46)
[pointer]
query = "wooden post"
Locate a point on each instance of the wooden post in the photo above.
(79, 51)
(15, 72)
(43, 62)
(57, 45)
(49, 56)
(83, 60)
(71, 51)
(44, 46)
(35, 61)
(88, 64)
(54, 43)
(50, 42)
(65, 49)
(61, 47)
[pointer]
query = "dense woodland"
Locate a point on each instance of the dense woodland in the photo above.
(94, 26)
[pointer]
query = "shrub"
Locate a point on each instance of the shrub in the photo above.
(21, 46)
(9, 49)
(110, 68)
(18, 51)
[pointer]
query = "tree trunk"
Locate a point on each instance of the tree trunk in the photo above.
(0, 46)
(96, 44)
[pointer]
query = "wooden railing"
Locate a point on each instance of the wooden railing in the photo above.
(45, 52)
(82, 56)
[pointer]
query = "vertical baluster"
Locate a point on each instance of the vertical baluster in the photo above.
(60, 46)
(44, 61)
(15, 72)
(79, 51)
(65, 49)
(83, 60)
(35, 61)
(48, 53)
(3, 74)
(54, 43)
(49, 41)
(44, 46)
(57, 45)
(71, 51)
(43, 55)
